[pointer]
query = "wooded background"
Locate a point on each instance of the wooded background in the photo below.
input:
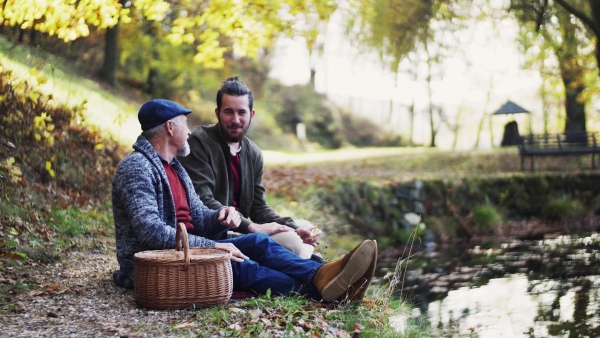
(182, 50)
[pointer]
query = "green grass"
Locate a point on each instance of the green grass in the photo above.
(75, 221)
(295, 316)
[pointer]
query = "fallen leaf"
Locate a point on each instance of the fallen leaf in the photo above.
(184, 325)
(19, 307)
(111, 329)
(330, 312)
(52, 314)
(22, 182)
(235, 309)
(10, 145)
(235, 327)
(266, 322)
(357, 330)
(255, 314)
(37, 293)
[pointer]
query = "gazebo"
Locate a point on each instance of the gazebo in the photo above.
(511, 131)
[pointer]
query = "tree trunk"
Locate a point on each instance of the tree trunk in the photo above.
(479, 129)
(491, 132)
(32, 37)
(595, 6)
(575, 110)
(391, 109)
(313, 74)
(572, 74)
(457, 127)
(428, 79)
(108, 72)
(485, 108)
(545, 107)
(151, 81)
(411, 111)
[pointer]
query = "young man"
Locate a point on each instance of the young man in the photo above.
(152, 193)
(227, 168)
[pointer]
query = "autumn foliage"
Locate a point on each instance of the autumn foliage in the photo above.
(48, 158)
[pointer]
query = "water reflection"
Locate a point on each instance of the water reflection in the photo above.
(501, 308)
(541, 288)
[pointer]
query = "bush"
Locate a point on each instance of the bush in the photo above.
(486, 218)
(595, 205)
(360, 131)
(563, 208)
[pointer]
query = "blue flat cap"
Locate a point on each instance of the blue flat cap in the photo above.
(159, 111)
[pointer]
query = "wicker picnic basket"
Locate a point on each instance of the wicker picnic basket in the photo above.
(176, 279)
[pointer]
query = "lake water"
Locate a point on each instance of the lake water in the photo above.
(536, 288)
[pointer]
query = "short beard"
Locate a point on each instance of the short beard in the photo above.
(184, 151)
(232, 139)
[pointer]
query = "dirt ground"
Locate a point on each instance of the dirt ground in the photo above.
(77, 298)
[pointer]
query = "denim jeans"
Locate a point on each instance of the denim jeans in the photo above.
(271, 266)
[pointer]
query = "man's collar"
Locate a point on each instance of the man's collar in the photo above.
(162, 159)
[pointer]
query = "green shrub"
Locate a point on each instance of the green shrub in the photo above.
(595, 204)
(486, 218)
(563, 208)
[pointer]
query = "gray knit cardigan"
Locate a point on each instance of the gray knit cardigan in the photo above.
(144, 210)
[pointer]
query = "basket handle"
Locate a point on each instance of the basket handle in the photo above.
(186, 247)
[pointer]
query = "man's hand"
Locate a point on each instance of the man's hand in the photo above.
(268, 228)
(230, 217)
(309, 234)
(236, 254)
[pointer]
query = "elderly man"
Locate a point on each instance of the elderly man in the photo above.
(152, 193)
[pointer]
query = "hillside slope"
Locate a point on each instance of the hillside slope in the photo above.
(112, 111)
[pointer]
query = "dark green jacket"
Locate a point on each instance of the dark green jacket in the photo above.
(208, 167)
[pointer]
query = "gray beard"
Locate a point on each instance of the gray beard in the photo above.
(184, 151)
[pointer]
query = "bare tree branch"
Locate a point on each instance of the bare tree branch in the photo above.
(588, 21)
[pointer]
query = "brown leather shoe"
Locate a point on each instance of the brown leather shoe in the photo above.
(332, 280)
(356, 292)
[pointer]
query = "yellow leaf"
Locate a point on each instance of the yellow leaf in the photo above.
(42, 79)
(15, 172)
(99, 146)
(49, 168)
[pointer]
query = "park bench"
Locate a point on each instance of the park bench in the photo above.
(575, 143)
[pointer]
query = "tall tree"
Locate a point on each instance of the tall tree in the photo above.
(567, 38)
(588, 12)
